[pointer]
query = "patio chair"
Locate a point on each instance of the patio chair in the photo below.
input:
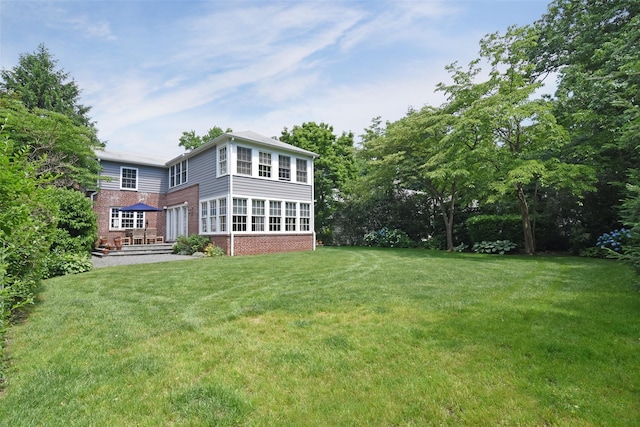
(151, 235)
(137, 236)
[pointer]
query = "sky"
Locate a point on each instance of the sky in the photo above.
(151, 70)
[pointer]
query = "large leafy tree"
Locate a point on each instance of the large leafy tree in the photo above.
(190, 140)
(520, 137)
(593, 46)
(334, 167)
(61, 147)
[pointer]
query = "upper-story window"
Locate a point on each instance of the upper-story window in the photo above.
(222, 160)
(284, 169)
(264, 167)
(178, 174)
(301, 170)
(128, 178)
(244, 161)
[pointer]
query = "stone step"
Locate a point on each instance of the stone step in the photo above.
(127, 250)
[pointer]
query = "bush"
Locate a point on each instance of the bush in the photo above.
(499, 246)
(212, 250)
(188, 245)
(489, 227)
(385, 238)
(614, 240)
(595, 252)
(62, 263)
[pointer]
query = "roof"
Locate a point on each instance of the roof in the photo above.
(250, 137)
(132, 158)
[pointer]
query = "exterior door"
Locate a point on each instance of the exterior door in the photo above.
(177, 225)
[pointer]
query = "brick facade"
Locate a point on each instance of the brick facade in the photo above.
(190, 195)
(271, 243)
(106, 199)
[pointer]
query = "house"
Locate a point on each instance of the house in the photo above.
(248, 193)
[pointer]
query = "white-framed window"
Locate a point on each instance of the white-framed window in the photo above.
(305, 217)
(222, 160)
(264, 164)
(239, 220)
(222, 214)
(128, 178)
(301, 170)
(122, 220)
(275, 215)
(244, 160)
(290, 216)
(257, 215)
(284, 168)
(208, 216)
(178, 173)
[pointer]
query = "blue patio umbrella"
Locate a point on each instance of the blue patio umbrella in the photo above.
(140, 207)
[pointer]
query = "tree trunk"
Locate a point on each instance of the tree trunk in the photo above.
(529, 243)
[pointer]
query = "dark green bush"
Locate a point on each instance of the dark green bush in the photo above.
(495, 227)
(61, 263)
(77, 222)
(595, 252)
(385, 238)
(188, 245)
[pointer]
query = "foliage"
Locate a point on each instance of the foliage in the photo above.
(595, 252)
(27, 221)
(499, 246)
(631, 217)
(61, 147)
(488, 227)
(211, 250)
(188, 245)
(614, 240)
(386, 238)
(190, 141)
(59, 263)
(40, 86)
(334, 167)
(77, 222)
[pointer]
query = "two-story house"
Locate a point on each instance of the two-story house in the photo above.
(248, 193)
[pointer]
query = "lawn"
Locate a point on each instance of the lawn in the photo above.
(336, 337)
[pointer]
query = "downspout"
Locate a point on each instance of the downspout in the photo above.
(232, 248)
(313, 202)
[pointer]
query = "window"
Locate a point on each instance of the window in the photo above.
(222, 211)
(290, 216)
(208, 216)
(244, 161)
(178, 174)
(275, 212)
(119, 220)
(128, 178)
(239, 222)
(222, 160)
(305, 217)
(264, 167)
(301, 170)
(284, 171)
(257, 215)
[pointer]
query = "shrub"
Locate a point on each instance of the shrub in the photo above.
(489, 227)
(614, 240)
(188, 245)
(499, 246)
(212, 250)
(385, 238)
(60, 263)
(595, 252)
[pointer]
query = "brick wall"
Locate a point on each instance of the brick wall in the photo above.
(106, 199)
(269, 243)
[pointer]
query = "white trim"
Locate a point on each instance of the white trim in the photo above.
(137, 178)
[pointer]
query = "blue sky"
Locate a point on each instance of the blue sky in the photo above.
(153, 69)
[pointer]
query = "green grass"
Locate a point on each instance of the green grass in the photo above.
(336, 337)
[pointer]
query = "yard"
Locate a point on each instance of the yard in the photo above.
(336, 337)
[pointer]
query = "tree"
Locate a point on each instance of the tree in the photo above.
(519, 135)
(334, 167)
(39, 85)
(61, 148)
(593, 46)
(190, 141)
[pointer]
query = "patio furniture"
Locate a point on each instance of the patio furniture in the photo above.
(151, 235)
(137, 236)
